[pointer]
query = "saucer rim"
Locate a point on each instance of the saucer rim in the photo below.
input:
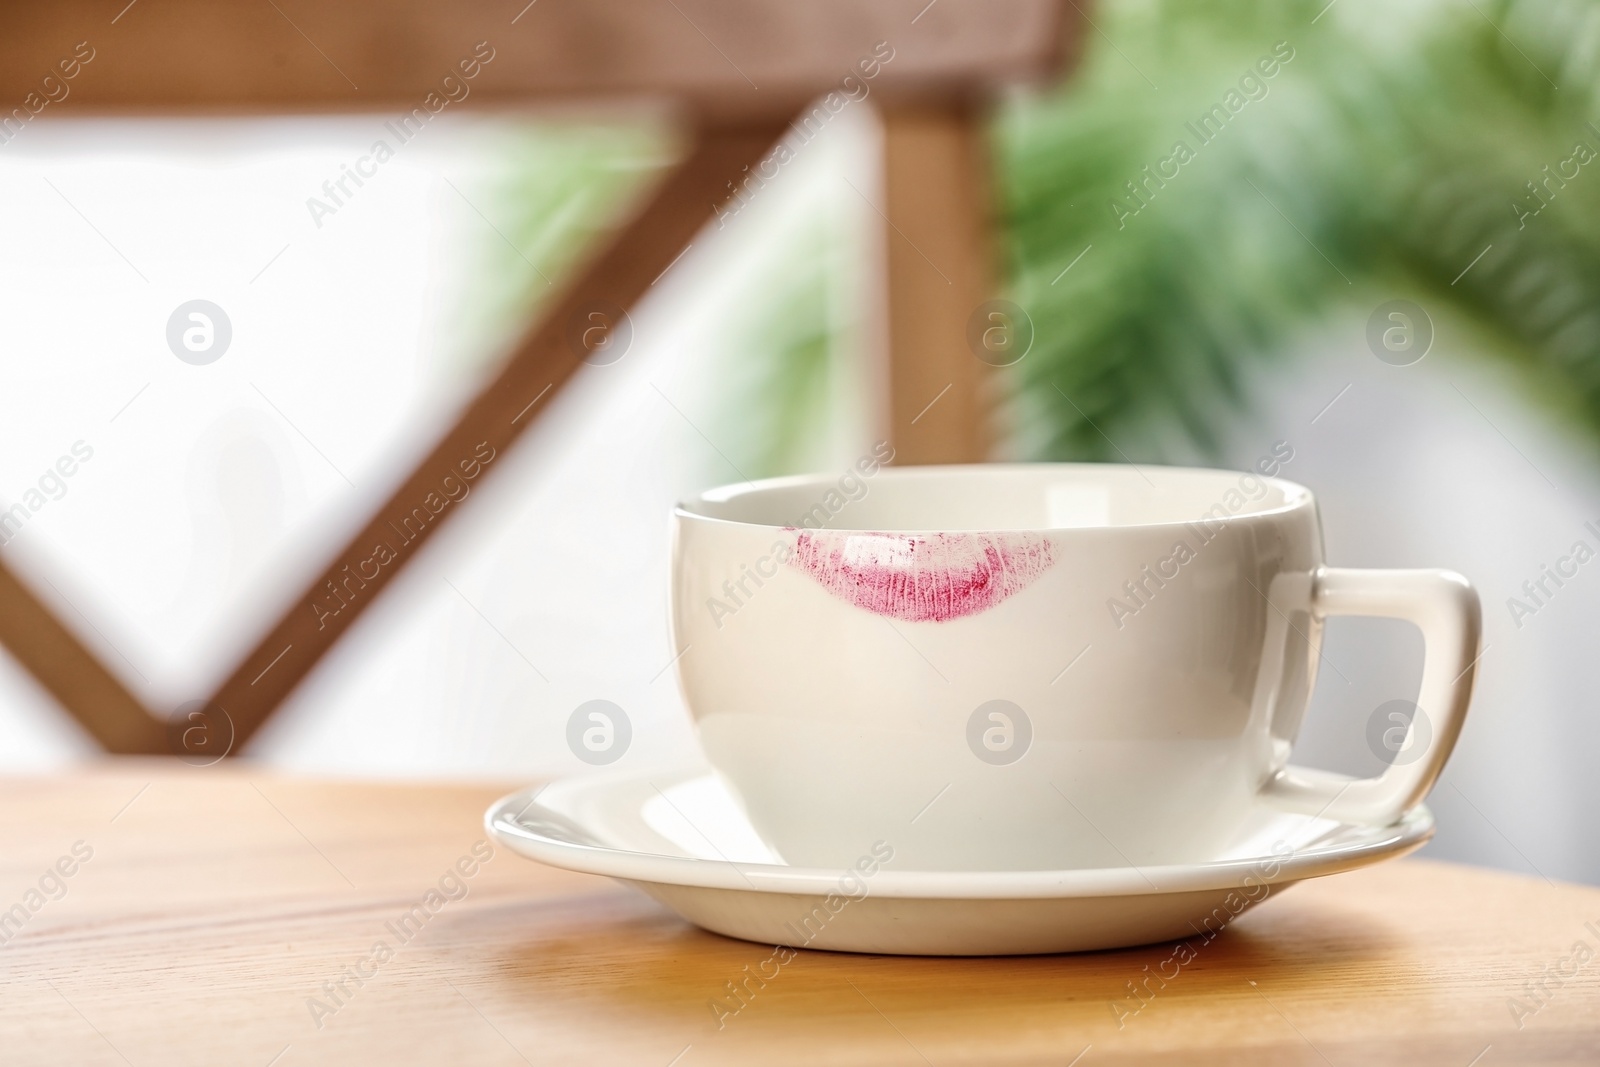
(1411, 832)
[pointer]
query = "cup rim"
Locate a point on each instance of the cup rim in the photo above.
(1296, 497)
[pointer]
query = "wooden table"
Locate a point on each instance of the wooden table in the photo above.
(222, 908)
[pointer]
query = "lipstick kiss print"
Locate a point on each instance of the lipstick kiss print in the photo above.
(922, 577)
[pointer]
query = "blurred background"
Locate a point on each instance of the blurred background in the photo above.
(1385, 253)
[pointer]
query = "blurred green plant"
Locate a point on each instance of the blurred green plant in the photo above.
(1380, 159)
(1384, 158)
(785, 346)
(554, 189)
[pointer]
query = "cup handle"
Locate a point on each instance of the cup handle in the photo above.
(1444, 606)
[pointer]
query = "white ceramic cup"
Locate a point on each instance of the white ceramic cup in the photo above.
(1033, 666)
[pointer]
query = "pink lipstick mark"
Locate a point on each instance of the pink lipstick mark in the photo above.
(922, 577)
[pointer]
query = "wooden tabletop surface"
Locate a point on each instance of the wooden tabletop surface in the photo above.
(154, 913)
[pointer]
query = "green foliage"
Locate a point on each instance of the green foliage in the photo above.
(556, 189)
(1385, 155)
(782, 346)
(1379, 164)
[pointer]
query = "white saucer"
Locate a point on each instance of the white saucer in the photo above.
(681, 837)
